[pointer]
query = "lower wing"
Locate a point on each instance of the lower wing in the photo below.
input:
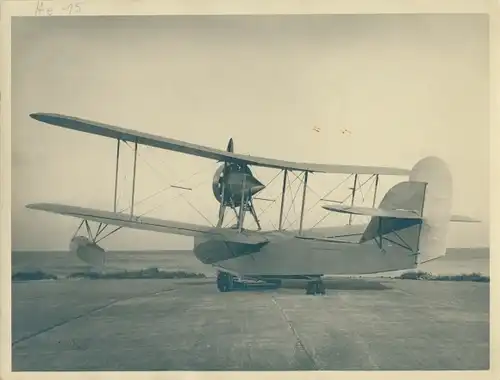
(151, 224)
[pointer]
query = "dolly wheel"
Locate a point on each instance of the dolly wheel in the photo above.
(224, 282)
(321, 289)
(311, 288)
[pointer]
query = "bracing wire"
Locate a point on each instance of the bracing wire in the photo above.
(171, 199)
(165, 188)
(329, 192)
(198, 211)
(343, 201)
(292, 201)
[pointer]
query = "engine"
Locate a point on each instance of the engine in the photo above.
(232, 179)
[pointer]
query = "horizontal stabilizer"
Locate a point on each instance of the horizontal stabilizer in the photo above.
(153, 224)
(464, 219)
(368, 211)
(398, 214)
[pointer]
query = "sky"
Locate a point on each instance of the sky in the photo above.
(382, 90)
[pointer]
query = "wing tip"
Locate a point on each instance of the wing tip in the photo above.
(38, 206)
(338, 208)
(46, 117)
(40, 116)
(464, 219)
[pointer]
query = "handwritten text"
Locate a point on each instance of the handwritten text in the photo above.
(47, 8)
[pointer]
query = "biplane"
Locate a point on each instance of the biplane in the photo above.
(408, 227)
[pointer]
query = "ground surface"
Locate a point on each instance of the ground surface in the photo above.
(187, 325)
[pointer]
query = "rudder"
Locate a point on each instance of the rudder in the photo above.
(437, 208)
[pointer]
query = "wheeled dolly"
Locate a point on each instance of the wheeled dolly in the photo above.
(315, 287)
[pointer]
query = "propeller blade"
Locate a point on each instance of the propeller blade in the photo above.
(230, 146)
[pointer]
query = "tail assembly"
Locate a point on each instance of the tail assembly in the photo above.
(414, 214)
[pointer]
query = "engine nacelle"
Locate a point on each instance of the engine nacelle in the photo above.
(232, 180)
(87, 251)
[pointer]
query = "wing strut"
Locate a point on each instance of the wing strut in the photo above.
(254, 214)
(133, 180)
(241, 216)
(222, 206)
(353, 195)
(285, 177)
(116, 173)
(306, 175)
(375, 192)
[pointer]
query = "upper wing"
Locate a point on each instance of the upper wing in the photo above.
(101, 129)
(151, 224)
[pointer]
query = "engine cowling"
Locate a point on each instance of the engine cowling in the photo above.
(217, 184)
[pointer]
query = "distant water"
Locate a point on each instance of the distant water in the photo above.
(461, 261)
(64, 263)
(456, 261)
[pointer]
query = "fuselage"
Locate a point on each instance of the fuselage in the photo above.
(287, 254)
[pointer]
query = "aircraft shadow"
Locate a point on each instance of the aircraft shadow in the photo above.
(332, 284)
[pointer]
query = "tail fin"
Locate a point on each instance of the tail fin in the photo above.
(415, 214)
(405, 231)
(428, 194)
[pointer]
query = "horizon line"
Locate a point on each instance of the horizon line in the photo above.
(172, 250)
